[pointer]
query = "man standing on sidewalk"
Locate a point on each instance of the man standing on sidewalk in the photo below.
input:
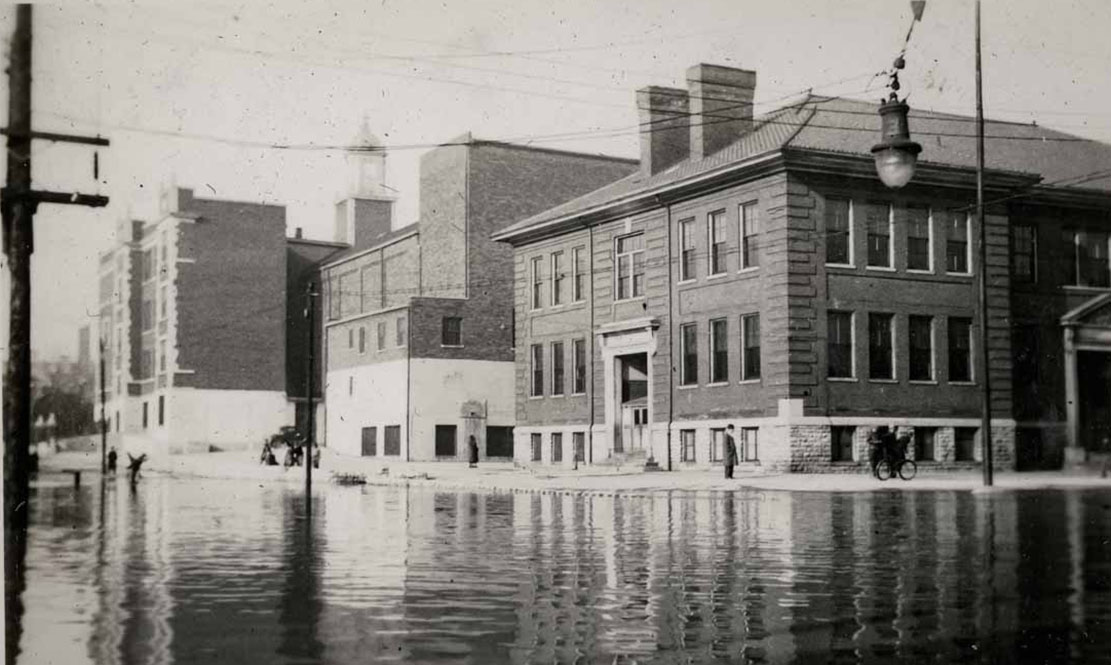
(730, 452)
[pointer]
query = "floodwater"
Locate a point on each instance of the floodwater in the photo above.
(235, 572)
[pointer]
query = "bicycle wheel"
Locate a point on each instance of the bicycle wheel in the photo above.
(908, 469)
(883, 470)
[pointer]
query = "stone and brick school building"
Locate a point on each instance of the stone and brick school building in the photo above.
(202, 316)
(419, 319)
(754, 271)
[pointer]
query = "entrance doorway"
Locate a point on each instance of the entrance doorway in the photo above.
(1094, 377)
(631, 428)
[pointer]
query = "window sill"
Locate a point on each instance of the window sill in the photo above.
(689, 280)
(717, 384)
(747, 270)
(922, 382)
(880, 268)
(870, 380)
(445, 346)
(717, 275)
(920, 271)
(842, 266)
(688, 386)
(958, 274)
(748, 382)
(625, 300)
(962, 383)
(536, 397)
(842, 379)
(1083, 288)
(582, 394)
(554, 396)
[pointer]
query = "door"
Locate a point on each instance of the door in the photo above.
(370, 441)
(445, 440)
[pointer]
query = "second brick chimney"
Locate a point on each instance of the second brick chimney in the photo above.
(664, 115)
(720, 107)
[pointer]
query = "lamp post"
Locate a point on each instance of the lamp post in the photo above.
(896, 156)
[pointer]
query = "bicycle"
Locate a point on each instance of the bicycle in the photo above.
(890, 466)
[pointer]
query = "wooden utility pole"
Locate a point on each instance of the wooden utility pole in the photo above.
(18, 203)
(985, 362)
(103, 421)
(310, 380)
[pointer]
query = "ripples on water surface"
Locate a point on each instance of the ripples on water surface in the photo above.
(229, 572)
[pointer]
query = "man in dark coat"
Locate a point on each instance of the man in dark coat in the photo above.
(472, 446)
(730, 452)
(112, 460)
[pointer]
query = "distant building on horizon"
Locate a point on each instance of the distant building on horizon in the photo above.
(419, 319)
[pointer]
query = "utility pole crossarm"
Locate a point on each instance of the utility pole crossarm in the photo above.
(55, 136)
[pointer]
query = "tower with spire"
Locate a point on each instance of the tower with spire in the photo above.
(364, 211)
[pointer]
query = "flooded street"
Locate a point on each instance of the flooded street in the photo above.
(232, 572)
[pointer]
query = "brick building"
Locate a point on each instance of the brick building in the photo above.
(755, 271)
(201, 313)
(418, 328)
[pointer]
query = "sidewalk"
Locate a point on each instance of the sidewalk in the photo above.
(495, 476)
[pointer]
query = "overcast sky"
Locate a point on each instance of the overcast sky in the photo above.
(191, 94)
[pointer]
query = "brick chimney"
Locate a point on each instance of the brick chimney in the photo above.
(720, 105)
(664, 128)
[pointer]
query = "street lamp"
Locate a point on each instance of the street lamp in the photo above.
(896, 155)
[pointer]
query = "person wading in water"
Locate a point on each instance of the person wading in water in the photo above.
(730, 452)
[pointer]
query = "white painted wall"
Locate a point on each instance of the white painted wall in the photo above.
(230, 419)
(445, 386)
(366, 396)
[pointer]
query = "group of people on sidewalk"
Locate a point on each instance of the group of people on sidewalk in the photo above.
(294, 455)
(883, 442)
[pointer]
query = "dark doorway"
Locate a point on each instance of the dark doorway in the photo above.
(499, 441)
(632, 413)
(445, 440)
(370, 441)
(1094, 375)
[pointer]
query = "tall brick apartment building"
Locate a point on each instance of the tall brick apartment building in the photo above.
(755, 271)
(419, 320)
(201, 313)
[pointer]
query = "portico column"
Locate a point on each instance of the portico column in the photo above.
(1073, 451)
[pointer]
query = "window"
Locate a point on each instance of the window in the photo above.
(750, 236)
(537, 282)
(750, 347)
(333, 300)
(445, 440)
(148, 264)
(537, 370)
(878, 219)
(686, 250)
(840, 345)
(717, 444)
(370, 442)
(146, 367)
(161, 410)
(499, 441)
(880, 349)
(393, 440)
(536, 451)
(749, 452)
(956, 242)
(145, 405)
(960, 349)
(686, 445)
(362, 340)
(148, 315)
(557, 368)
(559, 278)
(400, 332)
(964, 443)
(350, 338)
(452, 331)
(1090, 266)
(630, 266)
(578, 443)
(841, 437)
(718, 241)
(919, 254)
(921, 348)
(162, 355)
(578, 348)
(688, 337)
(924, 449)
(719, 351)
(381, 335)
(557, 447)
(1024, 253)
(578, 275)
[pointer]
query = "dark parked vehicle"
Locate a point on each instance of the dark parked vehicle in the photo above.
(288, 435)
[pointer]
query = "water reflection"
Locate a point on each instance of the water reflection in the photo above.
(223, 572)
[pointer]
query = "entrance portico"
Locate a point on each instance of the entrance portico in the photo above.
(1087, 331)
(627, 349)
